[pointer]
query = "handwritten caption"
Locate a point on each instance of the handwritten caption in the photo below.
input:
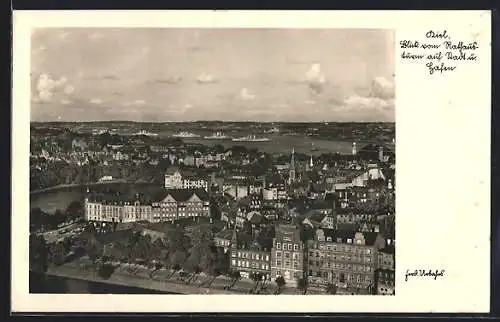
(434, 274)
(439, 52)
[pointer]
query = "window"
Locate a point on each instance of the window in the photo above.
(349, 241)
(257, 256)
(328, 238)
(278, 254)
(295, 247)
(287, 255)
(278, 262)
(368, 251)
(267, 257)
(289, 246)
(233, 262)
(278, 246)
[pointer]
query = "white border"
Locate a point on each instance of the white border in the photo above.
(443, 162)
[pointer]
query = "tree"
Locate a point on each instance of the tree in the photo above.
(302, 285)
(38, 254)
(331, 289)
(280, 282)
(201, 253)
(105, 271)
(74, 210)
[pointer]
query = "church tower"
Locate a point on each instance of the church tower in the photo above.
(292, 168)
(354, 148)
(310, 166)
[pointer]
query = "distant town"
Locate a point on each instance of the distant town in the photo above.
(214, 207)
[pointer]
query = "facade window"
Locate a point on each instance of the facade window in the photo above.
(257, 257)
(278, 262)
(295, 247)
(278, 254)
(289, 246)
(233, 262)
(267, 257)
(278, 246)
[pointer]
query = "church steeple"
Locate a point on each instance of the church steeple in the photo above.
(292, 168)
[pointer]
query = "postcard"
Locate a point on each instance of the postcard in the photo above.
(245, 161)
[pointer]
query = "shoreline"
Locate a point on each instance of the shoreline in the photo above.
(136, 282)
(76, 185)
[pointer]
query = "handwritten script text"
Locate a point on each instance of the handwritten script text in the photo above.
(438, 52)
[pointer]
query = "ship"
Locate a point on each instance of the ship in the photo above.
(273, 130)
(146, 133)
(217, 136)
(250, 138)
(185, 135)
(99, 131)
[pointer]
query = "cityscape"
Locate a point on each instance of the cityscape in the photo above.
(234, 194)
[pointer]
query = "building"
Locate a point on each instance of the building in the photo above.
(347, 259)
(287, 254)
(251, 255)
(385, 281)
(386, 258)
(173, 204)
(174, 179)
(385, 275)
(181, 203)
(223, 239)
(116, 209)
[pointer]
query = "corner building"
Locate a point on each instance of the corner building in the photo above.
(287, 254)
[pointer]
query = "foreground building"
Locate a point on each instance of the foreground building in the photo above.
(287, 254)
(251, 256)
(347, 259)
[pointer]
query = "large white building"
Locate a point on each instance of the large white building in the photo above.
(174, 179)
(172, 204)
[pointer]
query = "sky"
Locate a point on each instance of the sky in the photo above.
(169, 74)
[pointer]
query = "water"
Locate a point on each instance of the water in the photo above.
(64, 285)
(58, 199)
(285, 144)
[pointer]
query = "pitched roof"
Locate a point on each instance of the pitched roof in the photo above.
(183, 195)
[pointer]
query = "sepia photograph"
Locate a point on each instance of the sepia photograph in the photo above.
(241, 161)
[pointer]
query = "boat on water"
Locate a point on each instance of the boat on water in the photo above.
(217, 136)
(314, 147)
(250, 138)
(99, 131)
(185, 135)
(146, 133)
(273, 130)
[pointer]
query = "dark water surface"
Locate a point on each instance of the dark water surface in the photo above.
(64, 285)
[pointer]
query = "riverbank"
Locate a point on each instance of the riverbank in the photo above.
(128, 280)
(75, 185)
